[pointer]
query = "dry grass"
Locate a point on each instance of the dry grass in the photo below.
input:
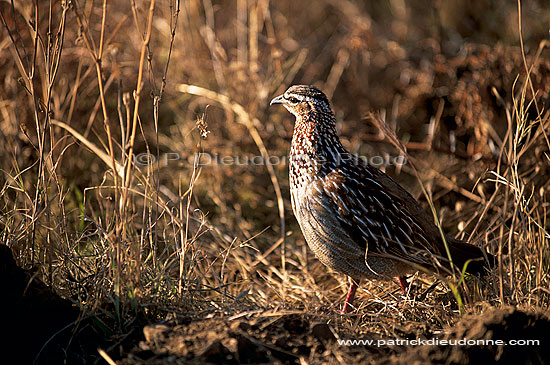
(99, 86)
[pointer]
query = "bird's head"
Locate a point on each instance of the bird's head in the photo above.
(301, 100)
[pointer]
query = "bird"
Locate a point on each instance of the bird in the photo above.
(355, 218)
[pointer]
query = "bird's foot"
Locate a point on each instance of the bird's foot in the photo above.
(403, 284)
(349, 298)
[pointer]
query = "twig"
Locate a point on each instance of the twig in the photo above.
(250, 124)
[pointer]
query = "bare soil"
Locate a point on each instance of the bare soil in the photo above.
(290, 338)
(43, 330)
(231, 310)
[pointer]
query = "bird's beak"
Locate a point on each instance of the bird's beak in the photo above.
(278, 100)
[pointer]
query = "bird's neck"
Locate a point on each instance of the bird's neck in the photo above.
(315, 144)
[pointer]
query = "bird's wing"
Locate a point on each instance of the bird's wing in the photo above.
(408, 204)
(374, 219)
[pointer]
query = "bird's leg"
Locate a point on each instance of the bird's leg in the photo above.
(349, 297)
(403, 284)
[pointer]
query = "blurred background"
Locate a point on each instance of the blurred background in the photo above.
(449, 78)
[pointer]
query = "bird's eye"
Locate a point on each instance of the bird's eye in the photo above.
(293, 100)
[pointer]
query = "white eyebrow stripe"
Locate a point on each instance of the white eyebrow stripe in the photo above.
(297, 96)
(305, 98)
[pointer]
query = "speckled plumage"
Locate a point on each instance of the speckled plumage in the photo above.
(355, 218)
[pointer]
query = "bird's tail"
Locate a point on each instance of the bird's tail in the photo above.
(463, 253)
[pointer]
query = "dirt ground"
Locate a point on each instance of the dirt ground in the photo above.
(295, 337)
(474, 124)
(292, 338)
(45, 330)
